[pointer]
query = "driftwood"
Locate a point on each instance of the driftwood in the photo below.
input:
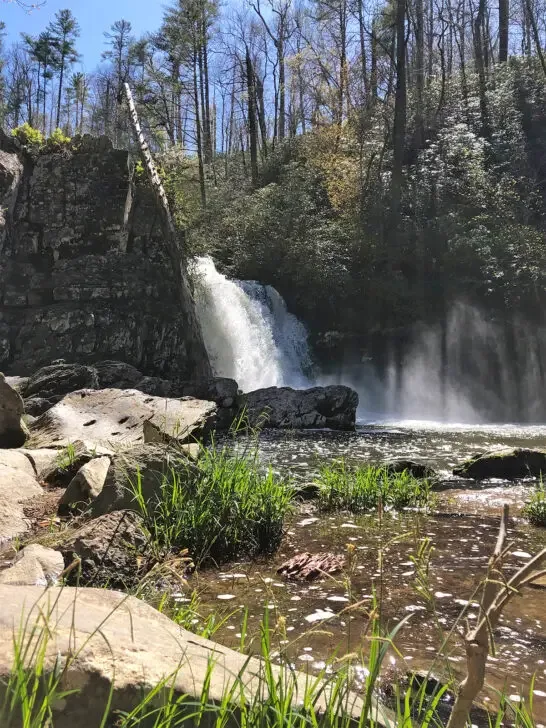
(199, 361)
(311, 566)
(497, 592)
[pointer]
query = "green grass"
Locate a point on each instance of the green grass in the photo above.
(221, 507)
(359, 489)
(535, 509)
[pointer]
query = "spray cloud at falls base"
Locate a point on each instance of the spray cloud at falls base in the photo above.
(467, 370)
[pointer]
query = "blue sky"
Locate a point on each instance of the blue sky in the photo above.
(94, 17)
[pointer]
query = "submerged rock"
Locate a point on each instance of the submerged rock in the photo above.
(331, 407)
(108, 417)
(417, 470)
(35, 565)
(508, 464)
(13, 431)
(311, 566)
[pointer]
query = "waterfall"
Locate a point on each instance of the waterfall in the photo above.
(471, 369)
(249, 334)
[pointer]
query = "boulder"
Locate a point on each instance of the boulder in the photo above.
(45, 461)
(17, 460)
(96, 634)
(118, 375)
(13, 431)
(49, 385)
(508, 464)
(18, 488)
(417, 470)
(331, 407)
(35, 565)
(110, 549)
(115, 417)
(145, 466)
(85, 486)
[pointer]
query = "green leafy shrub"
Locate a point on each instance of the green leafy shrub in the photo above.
(28, 135)
(535, 509)
(359, 489)
(219, 508)
(58, 140)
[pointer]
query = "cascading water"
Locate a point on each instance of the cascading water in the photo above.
(249, 333)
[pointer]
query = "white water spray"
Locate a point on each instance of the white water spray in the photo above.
(249, 334)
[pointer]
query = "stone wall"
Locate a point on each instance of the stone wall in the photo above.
(83, 271)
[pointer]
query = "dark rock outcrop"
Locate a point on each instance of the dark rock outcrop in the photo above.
(110, 548)
(319, 407)
(509, 464)
(84, 274)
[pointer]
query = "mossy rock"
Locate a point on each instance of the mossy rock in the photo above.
(507, 464)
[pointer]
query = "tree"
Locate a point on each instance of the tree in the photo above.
(63, 32)
(400, 110)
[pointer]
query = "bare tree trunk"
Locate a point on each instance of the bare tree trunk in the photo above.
(197, 355)
(252, 125)
(503, 30)
(198, 137)
(419, 71)
(399, 126)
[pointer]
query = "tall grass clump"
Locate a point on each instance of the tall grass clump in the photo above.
(535, 509)
(223, 506)
(358, 489)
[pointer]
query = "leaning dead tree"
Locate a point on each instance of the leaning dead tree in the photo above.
(198, 361)
(497, 592)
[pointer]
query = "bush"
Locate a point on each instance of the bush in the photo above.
(535, 509)
(28, 135)
(363, 488)
(219, 508)
(57, 141)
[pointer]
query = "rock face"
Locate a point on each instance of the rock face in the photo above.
(83, 270)
(114, 416)
(109, 632)
(34, 565)
(333, 407)
(509, 464)
(109, 548)
(13, 432)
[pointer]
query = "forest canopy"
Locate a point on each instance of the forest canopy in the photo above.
(375, 161)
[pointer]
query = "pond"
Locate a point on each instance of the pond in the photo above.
(317, 619)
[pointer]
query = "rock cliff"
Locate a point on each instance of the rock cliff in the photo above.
(83, 271)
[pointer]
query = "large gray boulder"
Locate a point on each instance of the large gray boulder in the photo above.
(13, 431)
(331, 407)
(507, 464)
(18, 489)
(98, 635)
(115, 417)
(35, 565)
